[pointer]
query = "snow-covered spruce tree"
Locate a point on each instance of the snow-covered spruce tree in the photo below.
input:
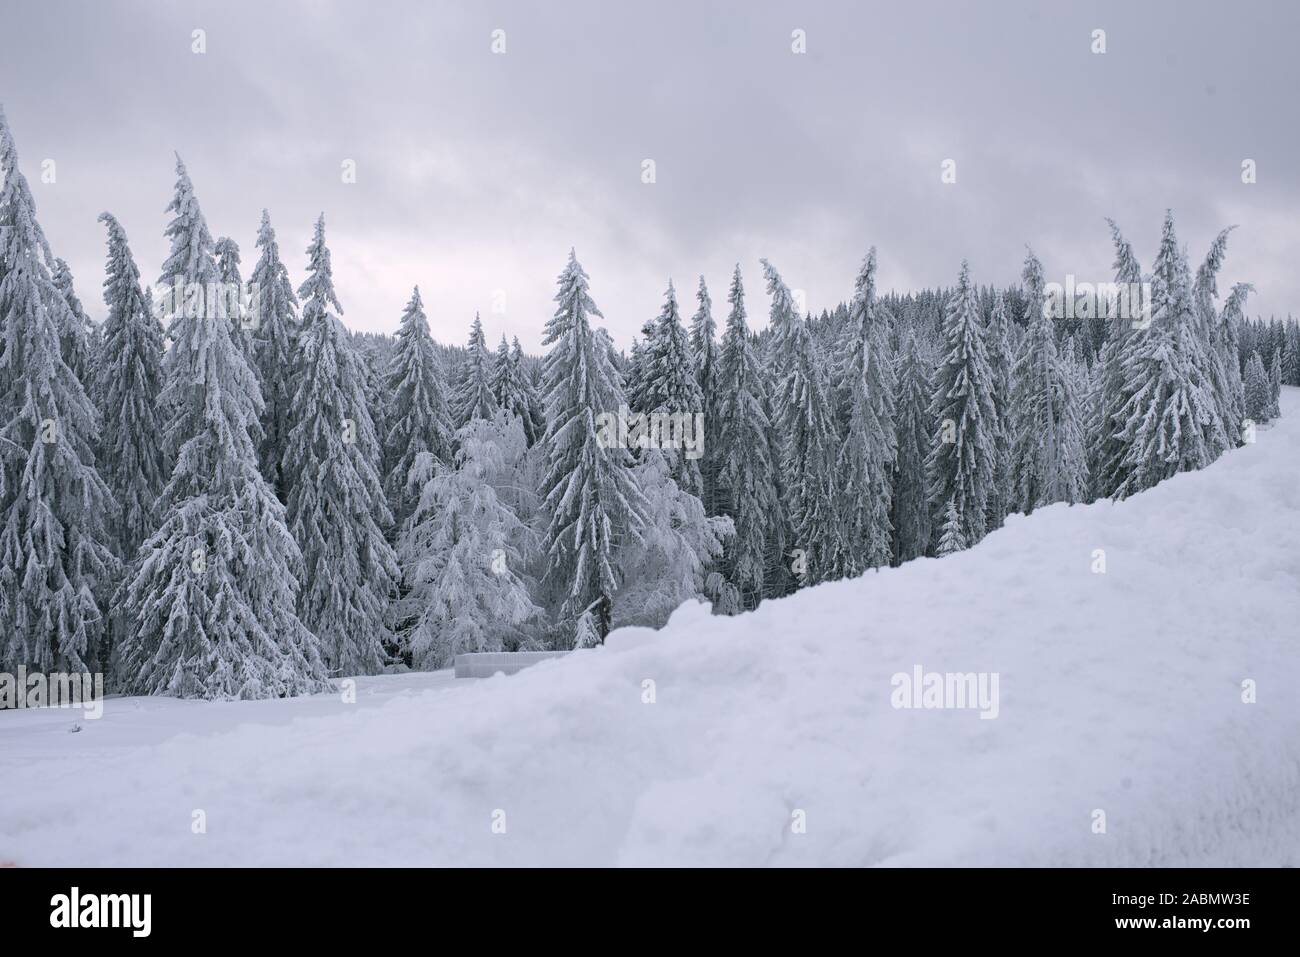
(226, 253)
(1107, 456)
(667, 384)
(915, 430)
(1291, 354)
(783, 316)
(746, 473)
(76, 331)
(128, 380)
(997, 342)
(1259, 399)
(1170, 416)
(805, 424)
(212, 598)
(952, 534)
(535, 421)
(586, 631)
(473, 397)
(589, 490)
(706, 356)
(1219, 356)
(505, 378)
(1090, 387)
(376, 400)
(1081, 384)
(513, 391)
(635, 366)
(780, 577)
(668, 564)
(463, 547)
(1047, 449)
(274, 326)
(866, 459)
(418, 418)
(507, 384)
(336, 508)
(1275, 385)
(55, 560)
(963, 453)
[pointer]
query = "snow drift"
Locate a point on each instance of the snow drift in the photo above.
(771, 738)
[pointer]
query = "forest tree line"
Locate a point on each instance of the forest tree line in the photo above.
(249, 503)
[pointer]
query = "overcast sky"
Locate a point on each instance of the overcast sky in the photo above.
(476, 171)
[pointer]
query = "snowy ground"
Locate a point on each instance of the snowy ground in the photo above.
(1119, 691)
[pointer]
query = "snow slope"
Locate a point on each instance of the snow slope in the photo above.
(1119, 691)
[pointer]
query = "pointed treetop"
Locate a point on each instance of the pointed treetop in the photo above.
(1034, 287)
(864, 289)
(320, 280)
(736, 294)
(669, 311)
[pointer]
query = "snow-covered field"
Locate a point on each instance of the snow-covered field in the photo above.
(1119, 692)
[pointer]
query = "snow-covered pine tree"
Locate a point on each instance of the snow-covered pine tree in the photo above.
(535, 421)
(586, 631)
(952, 534)
(336, 508)
(274, 327)
(57, 563)
(746, 472)
(705, 353)
(463, 547)
(226, 253)
(1221, 370)
(1107, 455)
(997, 342)
(634, 371)
(963, 453)
(1231, 317)
(590, 492)
(1047, 448)
(1275, 385)
(1091, 390)
(807, 427)
(212, 598)
(783, 316)
(473, 397)
(505, 382)
(1170, 408)
(667, 384)
(376, 400)
(866, 459)
(512, 390)
(506, 385)
(76, 331)
(1081, 386)
(668, 564)
(1259, 399)
(128, 381)
(915, 430)
(1291, 354)
(418, 418)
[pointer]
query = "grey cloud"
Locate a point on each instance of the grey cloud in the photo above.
(477, 172)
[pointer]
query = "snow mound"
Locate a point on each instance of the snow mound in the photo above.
(770, 738)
